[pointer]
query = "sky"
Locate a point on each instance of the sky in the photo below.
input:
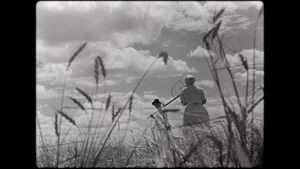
(128, 36)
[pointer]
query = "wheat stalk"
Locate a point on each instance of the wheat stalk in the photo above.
(67, 117)
(102, 66)
(216, 29)
(121, 111)
(130, 103)
(218, 15)
(56, 125)
(115, 114)
(89, 99)
(78, 104)
(108, 102)
(96, 70)
(76, 54)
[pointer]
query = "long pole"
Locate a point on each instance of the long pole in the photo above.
(171, 100)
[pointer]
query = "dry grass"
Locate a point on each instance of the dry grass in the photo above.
(78, 104)
(67, 117)
(239, 144)
(72, 58)
(89, 99)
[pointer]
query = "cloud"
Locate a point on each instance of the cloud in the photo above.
(150, 97)
(232, 5)
(52, 73)
(90, 82)
(205, 83)
(118, 22)
(43, 119)
(54, 54)
(43, 93)
(134, 61)
(249, 4)
(242, 77)
(195, 16)
(199, 52)
(124, 23)
(113, 57)
(234, 60)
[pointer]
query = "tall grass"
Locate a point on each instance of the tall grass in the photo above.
(238, 144)
(234, 141)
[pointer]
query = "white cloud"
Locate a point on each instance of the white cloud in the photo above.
(150, 97)
(128, 57)
(259, 57)
(43, 119)
(124, 23)
(199, 52)
(132, 22)
(195, 16)
(113, 58)
(90, 82)
(248, 4)
(214, 6)
(242, 77)
(52, 73)
(234, 60)
(59, 6)
(205, 83)
(52, 53)
(42, 92)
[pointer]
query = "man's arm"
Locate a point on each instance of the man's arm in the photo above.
(182, 99)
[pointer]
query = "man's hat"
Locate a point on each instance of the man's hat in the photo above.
(156, 101)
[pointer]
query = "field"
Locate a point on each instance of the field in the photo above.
(234, 140)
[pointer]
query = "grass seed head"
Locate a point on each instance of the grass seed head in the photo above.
(96, 71)
(85, 95)
(217, 16)
(108, 102)
(78, 103)
(76, 54)
(102, 66)
(215, 32)
(130, 103)
(56, 124)
(66, 117)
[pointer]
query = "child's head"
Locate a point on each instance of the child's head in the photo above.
(156, 103)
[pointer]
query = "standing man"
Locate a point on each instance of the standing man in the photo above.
(195, 118)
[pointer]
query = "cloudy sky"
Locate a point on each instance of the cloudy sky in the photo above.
(128, 36)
